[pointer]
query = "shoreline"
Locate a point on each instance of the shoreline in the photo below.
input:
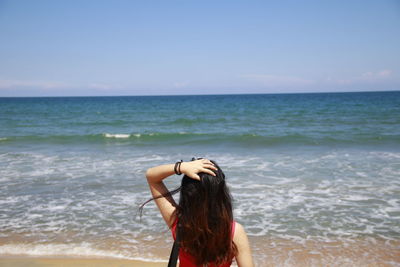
(25, 260)
(266, 252)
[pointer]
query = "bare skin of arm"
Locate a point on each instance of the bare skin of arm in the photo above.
(243, 258)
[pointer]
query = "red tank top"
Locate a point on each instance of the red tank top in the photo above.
(186, 260)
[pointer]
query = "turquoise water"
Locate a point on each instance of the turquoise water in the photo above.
(320, 167)
(258, 120)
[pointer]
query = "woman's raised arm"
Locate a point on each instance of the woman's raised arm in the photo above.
(165, 204)
(156, 175)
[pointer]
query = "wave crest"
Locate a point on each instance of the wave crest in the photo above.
(191, 138)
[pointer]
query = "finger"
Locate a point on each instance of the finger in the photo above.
(196, 177)
(208, 171)
(211, 166)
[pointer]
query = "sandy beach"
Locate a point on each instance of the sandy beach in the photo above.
(37, 262)
(278, 252)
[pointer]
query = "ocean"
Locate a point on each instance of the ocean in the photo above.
(315, 177)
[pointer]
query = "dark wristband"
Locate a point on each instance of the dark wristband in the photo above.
(177, 167)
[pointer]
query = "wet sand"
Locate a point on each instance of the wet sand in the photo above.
(358, 253)
(361, 252)
(64, 262)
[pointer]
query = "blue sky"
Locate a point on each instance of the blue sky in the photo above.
(197, 47)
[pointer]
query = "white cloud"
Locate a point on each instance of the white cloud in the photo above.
(102, 86)
(368, 77)
(12, 84)
(7, 84)
(180, 84)
(378, 74)
(277, 80)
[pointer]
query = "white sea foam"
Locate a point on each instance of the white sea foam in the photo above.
(117, 135)
(71, 250)
(276, 194)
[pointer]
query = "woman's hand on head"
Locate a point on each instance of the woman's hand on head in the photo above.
(192, 168)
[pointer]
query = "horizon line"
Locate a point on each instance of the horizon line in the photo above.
(222, 94)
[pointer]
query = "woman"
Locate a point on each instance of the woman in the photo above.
(208, 236)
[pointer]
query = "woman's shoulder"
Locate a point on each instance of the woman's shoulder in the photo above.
(237, 226)
(239, 232)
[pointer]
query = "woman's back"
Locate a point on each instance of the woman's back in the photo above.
(186, 260)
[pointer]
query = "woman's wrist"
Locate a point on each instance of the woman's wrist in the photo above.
(177, 167)
(159, 173)
(182, 166)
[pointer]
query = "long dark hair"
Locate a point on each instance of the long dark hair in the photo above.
(205, 218)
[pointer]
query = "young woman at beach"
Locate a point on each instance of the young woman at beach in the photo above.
(208, 235)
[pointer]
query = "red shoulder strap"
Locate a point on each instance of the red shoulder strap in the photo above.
(233, 228)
